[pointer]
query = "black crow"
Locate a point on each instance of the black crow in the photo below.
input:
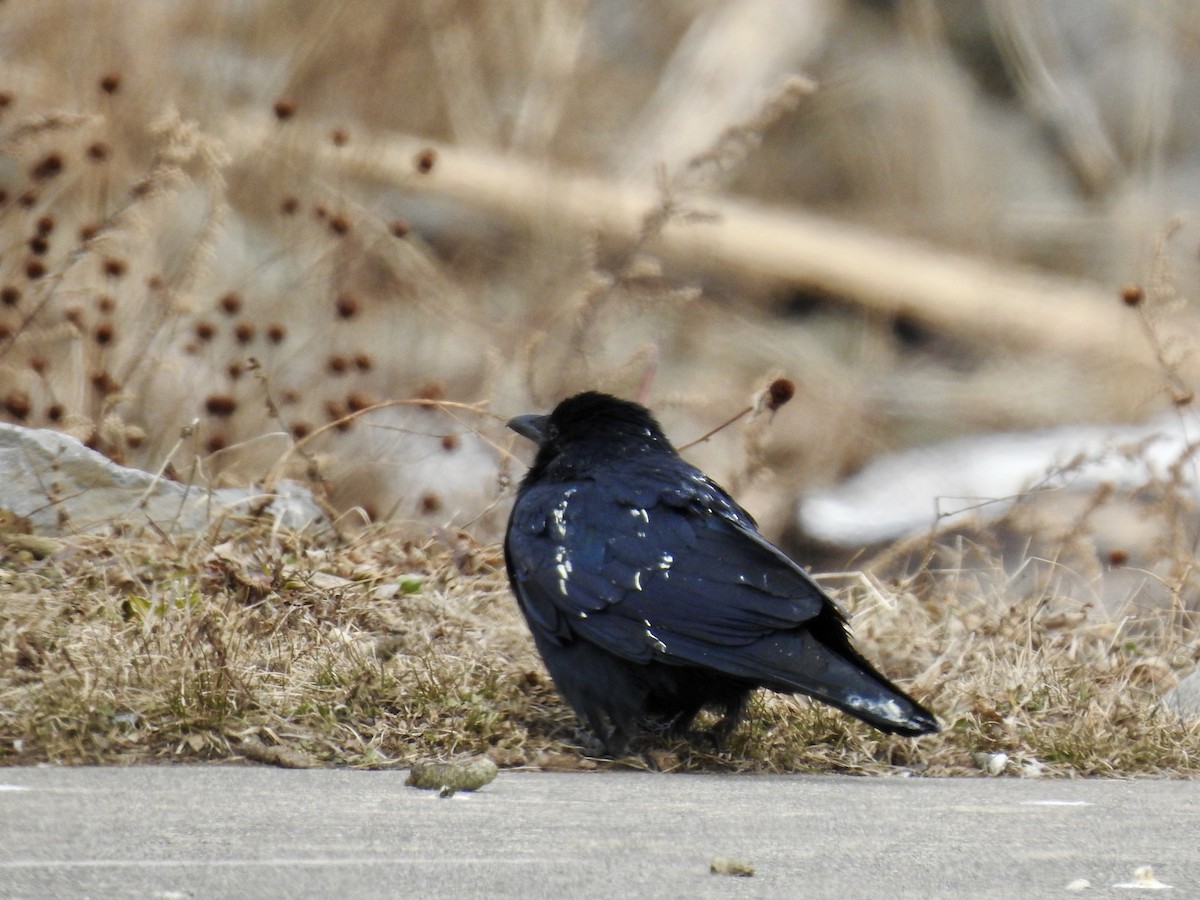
(651, 594)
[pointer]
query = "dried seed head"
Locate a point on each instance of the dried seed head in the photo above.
(74, 315)
(234, 370)
(1132, 295)
(88, 231)
(205, 330)
(103, 333)
(1117, 557)
(16, 404)
(276, 333)
(289, 205)
(231, 303)
(363, 362)
(221, 405)
(430, 503)
(337, 364)
(9, 295)
(38, 245)
(289, 396)
(103, 383)
(399, 228)
(347, 306)
(6, 99)
(431, 390)
(34, 269)
(450, 442)
(425, 160)
(216, 443)
(38, 364)
(300, 429)
(110, 82)
(339, 224)
(358, 401)
(45, 225)
(244, 332)
(115, 267)
(340, 137)
(105, 303)
(337, 413)
(284, 109)
(47, 167)
(55, 412)
(780, 392)
(98, 151)
(27, 199)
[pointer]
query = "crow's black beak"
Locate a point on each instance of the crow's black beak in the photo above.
(531, 426)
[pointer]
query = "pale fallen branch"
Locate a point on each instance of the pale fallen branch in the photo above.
(964, 296)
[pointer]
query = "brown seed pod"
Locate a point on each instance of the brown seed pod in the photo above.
(780, 392)
(358, 401)
(347, 306)
(221, 405)
(16, 404)
(339, 224)
(47, 167)
(425, 160)
(231, 303)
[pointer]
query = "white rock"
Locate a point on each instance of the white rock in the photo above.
(906, 492)
(60, 485)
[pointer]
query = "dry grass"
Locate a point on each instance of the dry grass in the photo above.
(386, 650)
(234, 310)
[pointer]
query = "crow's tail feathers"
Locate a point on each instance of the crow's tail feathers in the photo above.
(827, 668)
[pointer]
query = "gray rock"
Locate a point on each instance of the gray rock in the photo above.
(1184, 698)
(60, 486)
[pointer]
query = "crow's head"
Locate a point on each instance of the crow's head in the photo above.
(587, 429)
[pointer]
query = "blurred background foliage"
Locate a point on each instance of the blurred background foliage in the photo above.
(229, 226)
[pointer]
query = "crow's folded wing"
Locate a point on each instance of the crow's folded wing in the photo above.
(659, 564)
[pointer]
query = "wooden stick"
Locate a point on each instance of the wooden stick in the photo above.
(961, 295)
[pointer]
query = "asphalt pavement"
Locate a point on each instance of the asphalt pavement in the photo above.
(244, 831)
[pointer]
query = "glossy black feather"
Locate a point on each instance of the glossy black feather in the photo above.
(650, 592)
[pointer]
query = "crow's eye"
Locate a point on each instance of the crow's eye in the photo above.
(551, 432)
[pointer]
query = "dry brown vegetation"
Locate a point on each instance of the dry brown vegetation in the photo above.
(381, 652)
(237, 239)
